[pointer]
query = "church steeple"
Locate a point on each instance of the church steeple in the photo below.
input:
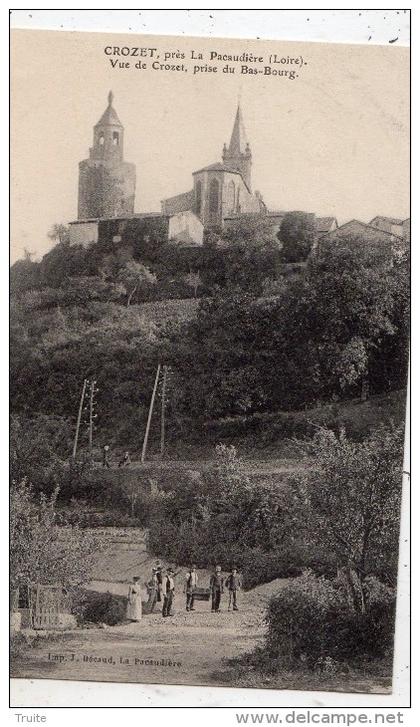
(238, 155)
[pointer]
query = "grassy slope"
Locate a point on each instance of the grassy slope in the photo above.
(163, 311)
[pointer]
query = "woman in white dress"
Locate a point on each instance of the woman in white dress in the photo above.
(134, 612)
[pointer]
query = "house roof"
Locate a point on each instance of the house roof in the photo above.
(390, 220)
(363, 225)
(323, 224)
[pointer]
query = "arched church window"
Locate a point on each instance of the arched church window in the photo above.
(238, 201)
(101, 139)
(214, 196)
(231, 196)
(198, 200)
(115, 138)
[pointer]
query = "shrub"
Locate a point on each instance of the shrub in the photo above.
(107, 608)
(313, 617)
(286, 561)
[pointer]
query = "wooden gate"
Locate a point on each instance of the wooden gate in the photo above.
(46, 604)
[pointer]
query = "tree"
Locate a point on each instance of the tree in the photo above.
(135, 276)
(193, 280)
(352, 492)
(39, 449)
(59, 233)
(297, 235)
(42, 551)
(223, 350)
(83, 289)
(24, 275)
(349, 303)
(255, 230)
(64, 261)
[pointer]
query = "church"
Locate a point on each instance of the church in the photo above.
(221, 190)
(107, 184)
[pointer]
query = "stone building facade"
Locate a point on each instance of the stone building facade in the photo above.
(107, 183)
(221, 190)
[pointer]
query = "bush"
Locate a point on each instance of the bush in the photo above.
(39, 447)
(313, 618)
(107, 608)
(287, 561)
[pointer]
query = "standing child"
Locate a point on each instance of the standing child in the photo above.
(233, 584)
(216, 587)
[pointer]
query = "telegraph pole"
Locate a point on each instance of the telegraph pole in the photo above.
(92, 393)
(149, 418)
(162, 413)
(79, 416)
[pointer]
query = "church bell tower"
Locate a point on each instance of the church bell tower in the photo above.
(107, 183)
(238, 154)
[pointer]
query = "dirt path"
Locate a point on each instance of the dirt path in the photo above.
(186, 648)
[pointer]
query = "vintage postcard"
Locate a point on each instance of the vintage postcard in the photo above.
(209, 353)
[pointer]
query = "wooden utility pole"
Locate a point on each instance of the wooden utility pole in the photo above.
(162, 413)
(79, 416)
(92, 393)
(149, 418)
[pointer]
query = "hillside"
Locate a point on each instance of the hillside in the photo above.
(270, 436)
(175, 311)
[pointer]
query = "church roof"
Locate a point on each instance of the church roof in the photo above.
(238, 140)
(218, 167)
(109, 116)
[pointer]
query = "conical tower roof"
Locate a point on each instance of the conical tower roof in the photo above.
(109, 116)
(238, 140)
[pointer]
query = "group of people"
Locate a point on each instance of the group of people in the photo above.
(124, 461)
(161, 589)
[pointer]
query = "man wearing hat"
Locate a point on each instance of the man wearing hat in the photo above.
(168, 592)
(191, 583)
(216, 587)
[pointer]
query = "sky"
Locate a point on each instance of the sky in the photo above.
(334, 141)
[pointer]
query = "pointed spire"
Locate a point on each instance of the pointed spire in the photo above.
(238, 141)
(109, 117)
(238, 155)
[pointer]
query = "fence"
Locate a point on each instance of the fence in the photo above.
(47, 604)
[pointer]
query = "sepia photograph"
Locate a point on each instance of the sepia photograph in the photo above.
(209, 347)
